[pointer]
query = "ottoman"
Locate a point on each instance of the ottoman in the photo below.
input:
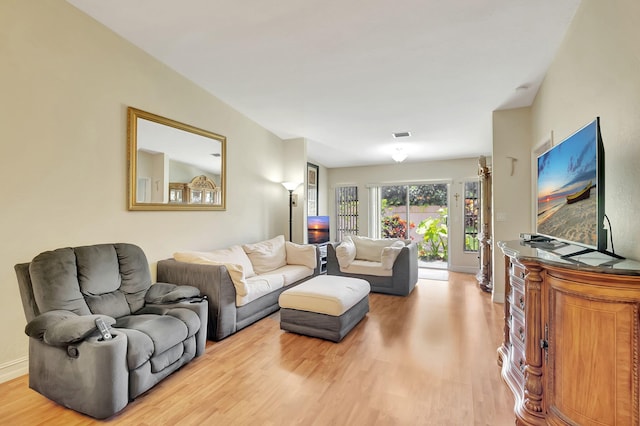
(326, 306)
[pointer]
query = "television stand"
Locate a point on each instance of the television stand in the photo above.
(322, 257)
(570, 329)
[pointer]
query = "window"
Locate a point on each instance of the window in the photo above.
(471, 212)
(346, 211)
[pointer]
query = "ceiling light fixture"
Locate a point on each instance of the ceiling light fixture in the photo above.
(399, 155)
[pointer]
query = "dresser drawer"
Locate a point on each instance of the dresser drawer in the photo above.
(516, 327)
(518, 362)
(516, 298)
(517, 271)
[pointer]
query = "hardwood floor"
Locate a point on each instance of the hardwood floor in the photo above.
(427, 359)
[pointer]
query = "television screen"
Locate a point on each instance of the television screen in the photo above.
(571, 189)
(318, 229)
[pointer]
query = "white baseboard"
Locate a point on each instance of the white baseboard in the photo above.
(12, 369)
(464, 269)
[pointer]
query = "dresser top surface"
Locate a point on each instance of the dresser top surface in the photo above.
(555, 253)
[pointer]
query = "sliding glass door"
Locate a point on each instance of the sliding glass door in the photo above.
(417, 212)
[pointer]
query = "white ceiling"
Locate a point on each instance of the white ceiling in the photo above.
(345, 75)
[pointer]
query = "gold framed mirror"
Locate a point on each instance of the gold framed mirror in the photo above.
(174, 166)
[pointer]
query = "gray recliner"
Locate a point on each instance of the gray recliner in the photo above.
(156, 328)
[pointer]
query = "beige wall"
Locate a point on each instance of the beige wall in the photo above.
(324, 194)
(511, 177)
(595, 73)
(295, 170)
(454, 172)
(66, 82)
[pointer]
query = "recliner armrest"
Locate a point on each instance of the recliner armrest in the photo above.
(160, 293)
(61, 327)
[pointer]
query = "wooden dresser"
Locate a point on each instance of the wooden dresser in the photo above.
(571, 338)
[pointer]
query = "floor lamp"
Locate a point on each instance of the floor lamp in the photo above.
(290, 186)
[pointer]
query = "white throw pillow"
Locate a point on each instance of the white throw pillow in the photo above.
(390, 254)
(346, 252)
(370, 248)
(301, 254)
(267, 255)
(232, 255)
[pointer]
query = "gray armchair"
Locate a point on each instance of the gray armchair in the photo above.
(156, 328)
(399, 278)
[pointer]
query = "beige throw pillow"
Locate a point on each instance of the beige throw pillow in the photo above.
(236, 271)
(232, 255)
(267, 255)
(301, 254)
(390, 254)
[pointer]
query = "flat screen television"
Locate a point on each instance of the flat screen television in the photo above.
(570, 190)
(318, 229)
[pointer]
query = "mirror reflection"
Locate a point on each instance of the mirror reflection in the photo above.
(174, 166)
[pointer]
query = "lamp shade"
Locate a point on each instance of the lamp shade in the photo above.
(291, 186)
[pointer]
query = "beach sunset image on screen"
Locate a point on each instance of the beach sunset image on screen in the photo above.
(567, 188)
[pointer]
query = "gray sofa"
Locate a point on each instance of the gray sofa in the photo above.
(155, 329)
(225, 318)
(400, 281)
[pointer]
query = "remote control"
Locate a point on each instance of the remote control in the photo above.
(103, 329)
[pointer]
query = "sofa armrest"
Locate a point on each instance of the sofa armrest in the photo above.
(405, 269)
(214, 282)
(333, 267)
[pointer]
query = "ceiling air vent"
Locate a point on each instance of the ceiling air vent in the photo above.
(401, 135)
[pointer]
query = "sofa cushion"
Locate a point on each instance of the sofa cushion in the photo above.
(232, 255)
(325, 294)
(113, 304)
(188, 317)
(366, 267)
(293, 273)
(258, 286)
(98, 269)
(55, 282)
(301, 254)
(267, 255)
(346, 252)
(161, 361)
(165, 331)
(135, 274)
(371, 248)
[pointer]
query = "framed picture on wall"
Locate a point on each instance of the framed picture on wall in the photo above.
(312, 190)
